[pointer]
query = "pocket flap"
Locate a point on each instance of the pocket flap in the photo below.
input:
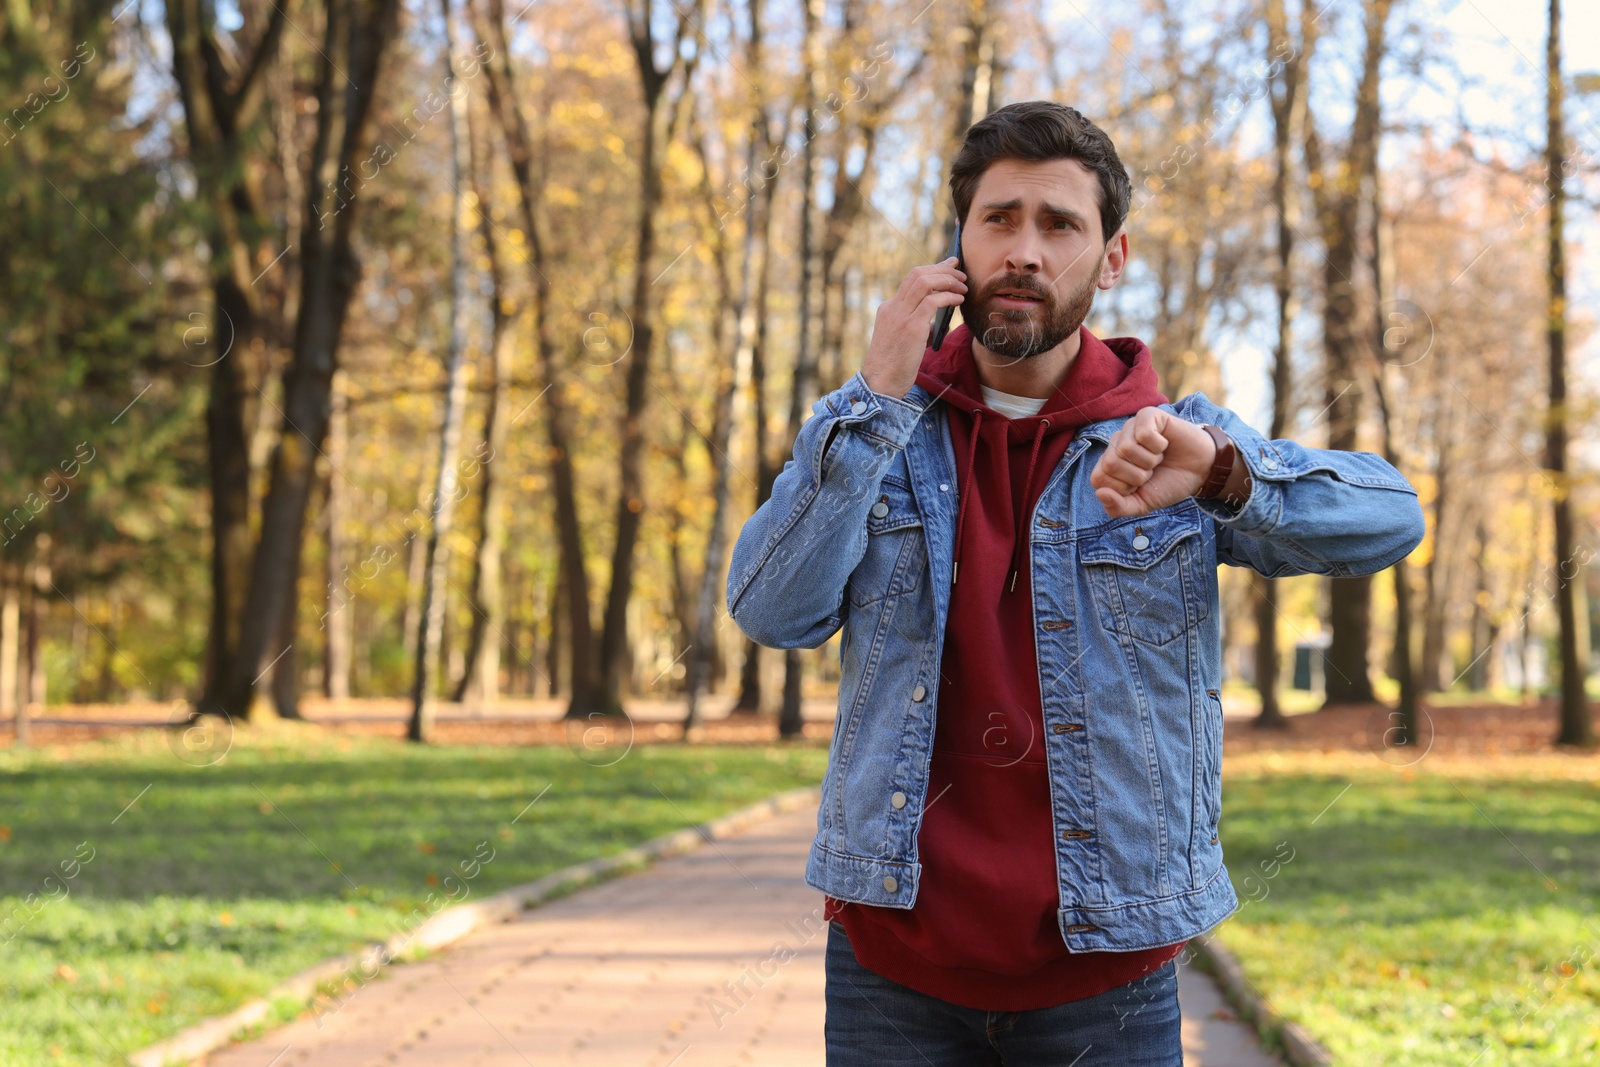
(893, 508)
(1142, 541)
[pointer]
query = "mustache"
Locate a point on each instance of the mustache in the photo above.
(1021, 285)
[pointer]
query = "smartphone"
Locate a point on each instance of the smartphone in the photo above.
(941, 322)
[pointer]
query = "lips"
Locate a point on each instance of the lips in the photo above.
(1019, 294)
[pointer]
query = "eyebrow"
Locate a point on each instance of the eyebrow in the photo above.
(1049, 209)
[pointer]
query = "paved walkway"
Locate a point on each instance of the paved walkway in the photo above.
(637, 971)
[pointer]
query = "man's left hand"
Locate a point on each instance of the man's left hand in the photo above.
(1155, 459)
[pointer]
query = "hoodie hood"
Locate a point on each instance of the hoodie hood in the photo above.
(1107, 379)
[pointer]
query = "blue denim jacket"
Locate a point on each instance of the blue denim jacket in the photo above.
(857, 536)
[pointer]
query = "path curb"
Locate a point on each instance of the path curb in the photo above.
(1299, 1047)
(452, 924)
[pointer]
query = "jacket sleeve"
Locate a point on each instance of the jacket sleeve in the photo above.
(1311, 510)
(794, 556)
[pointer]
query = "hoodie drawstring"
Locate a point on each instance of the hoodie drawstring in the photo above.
(961, 509)
(1021, 536)
(1027, 486)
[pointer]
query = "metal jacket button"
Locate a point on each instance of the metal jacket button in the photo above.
(880, 509)
(918, 693)
(944, 487)
(898, 799)
(889, 883)
(859, 407)
(1141, 542)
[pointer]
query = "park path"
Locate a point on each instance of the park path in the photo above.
(631, 973)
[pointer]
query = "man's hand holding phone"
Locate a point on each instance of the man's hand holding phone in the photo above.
(900, 329)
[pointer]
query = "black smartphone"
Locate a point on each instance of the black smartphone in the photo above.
(941, 322)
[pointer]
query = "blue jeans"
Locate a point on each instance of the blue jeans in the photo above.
(873, 1022)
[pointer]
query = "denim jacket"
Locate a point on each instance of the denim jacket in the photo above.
(857, 537)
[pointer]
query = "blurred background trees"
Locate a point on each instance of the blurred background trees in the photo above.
(232, 230)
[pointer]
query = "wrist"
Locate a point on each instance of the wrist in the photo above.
(1228, 479)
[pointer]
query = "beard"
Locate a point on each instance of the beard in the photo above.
(1019, 333)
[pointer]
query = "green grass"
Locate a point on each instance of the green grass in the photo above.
(1427, 918)
(222, 880)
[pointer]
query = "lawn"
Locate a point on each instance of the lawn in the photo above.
(1447, 913)
(162, 893)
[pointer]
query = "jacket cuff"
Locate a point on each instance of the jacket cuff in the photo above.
(887, 418)
(1259, 515)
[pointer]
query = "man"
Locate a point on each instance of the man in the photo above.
(1019, 532)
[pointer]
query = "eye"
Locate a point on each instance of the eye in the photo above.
(991, 216)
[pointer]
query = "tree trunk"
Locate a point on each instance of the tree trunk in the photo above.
(558, 598)
(284, 671)
(733, 333)
(1435, 582)
(358, 32)
(804, 386)
(614, 648)
(35, 691)
(229, 462)
(1577, 726)
(1338, 196)
(574, 580)
(1288, 115)
(337, 620)
(1382, 266)
(221, 88)
(10, 618)
(749, 700)
(1482, 628)
(487, 597)
(423, 696)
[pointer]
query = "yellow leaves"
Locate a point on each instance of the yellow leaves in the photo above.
(614, 144)
(225, 918)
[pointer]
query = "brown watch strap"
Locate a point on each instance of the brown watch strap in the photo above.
(1222, 466)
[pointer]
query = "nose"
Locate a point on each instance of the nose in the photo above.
(1023, 255)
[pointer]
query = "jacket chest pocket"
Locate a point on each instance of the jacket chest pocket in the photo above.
(1145, 573)
(896, 554)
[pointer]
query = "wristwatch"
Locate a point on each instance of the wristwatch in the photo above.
(1222, 466)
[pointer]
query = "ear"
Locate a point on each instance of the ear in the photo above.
(1115, 259)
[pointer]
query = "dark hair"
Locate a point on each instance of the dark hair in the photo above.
(1036, 131)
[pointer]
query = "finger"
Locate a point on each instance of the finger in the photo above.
(944, 281)
(1137, 454)
(939, 298)
(1104, 476)
(1114, 502)
(1127, 473)
(1145, 429)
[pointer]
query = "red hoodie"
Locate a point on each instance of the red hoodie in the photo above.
(983, 932)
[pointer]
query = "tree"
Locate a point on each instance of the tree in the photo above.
(486, 598)
(1577, 727)
(222, 88)
(1336, 186)
(1288, 104)
(505, 100)
(357, 32)
(423, 697)
(653, 82)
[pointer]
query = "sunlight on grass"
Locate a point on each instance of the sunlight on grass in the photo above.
(1443, 914)
(219, 881)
